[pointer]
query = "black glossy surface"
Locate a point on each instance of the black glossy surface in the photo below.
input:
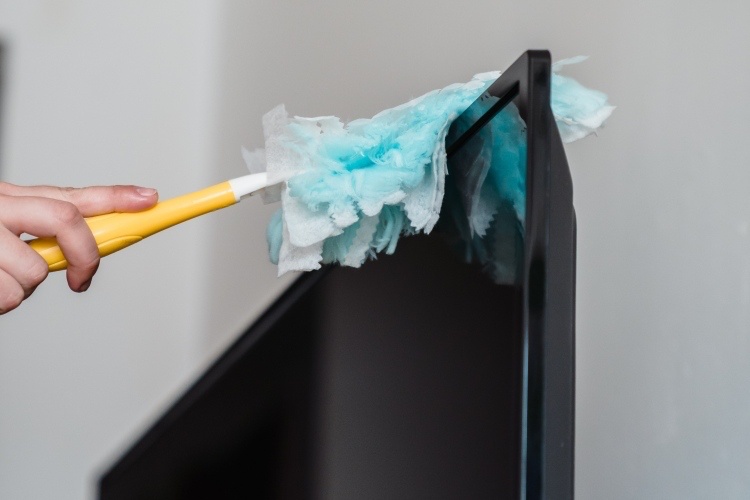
(548, 284)
(424, 399)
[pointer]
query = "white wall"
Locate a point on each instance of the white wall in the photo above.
(163, 93)
(664, 262)
(100, 93)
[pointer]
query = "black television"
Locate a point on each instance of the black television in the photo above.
(413, 377)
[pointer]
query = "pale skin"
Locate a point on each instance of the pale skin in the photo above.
(53, 211)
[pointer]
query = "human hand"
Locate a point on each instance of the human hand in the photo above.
(44, 211)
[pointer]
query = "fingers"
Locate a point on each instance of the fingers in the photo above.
(62, 220)
(48, 211)
(20, 262)
(93, 200)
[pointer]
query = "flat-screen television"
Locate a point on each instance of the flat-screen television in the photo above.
(416, 376)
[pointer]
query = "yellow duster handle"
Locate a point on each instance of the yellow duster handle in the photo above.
(119, 230)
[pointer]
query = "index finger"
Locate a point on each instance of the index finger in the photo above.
(93, 200)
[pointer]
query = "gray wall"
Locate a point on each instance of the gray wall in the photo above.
(664, 218)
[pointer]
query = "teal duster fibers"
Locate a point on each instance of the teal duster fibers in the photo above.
(349, 191)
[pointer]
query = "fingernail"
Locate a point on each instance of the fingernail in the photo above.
(85, 286)
(146, 192)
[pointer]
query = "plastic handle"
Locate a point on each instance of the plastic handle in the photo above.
(116, 231)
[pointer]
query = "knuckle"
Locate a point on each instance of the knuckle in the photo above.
(11, 299)
(68, 193)
(67, 214)
(92, 263)
(89, 263)
(37, 272)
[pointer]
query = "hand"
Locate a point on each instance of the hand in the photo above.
(52, 211)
